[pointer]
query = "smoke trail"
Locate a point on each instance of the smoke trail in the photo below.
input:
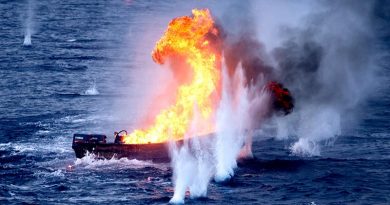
(29, 24)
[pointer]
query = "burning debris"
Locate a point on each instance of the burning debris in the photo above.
(282, 99)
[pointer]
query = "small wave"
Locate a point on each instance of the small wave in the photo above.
(23, 148)
(77, 57)
(20, 187)
(69, 95)
(47, 174)
(43, 132)
(71, 40)
(36, 124)
(78, 119)
(5, 146)
(17, 148)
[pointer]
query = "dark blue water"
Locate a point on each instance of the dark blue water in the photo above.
(81, 67)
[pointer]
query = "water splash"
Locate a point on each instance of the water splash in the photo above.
(29, 24)
(200, 159)
(316, 126)
(27, 38)
(192, 163)
(91, 161)
(32, 148)
(92, 90)
(231, 117)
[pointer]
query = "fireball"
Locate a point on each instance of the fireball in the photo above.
(190, 39)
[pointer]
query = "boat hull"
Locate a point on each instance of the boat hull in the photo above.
(155, 152)
(95, 144)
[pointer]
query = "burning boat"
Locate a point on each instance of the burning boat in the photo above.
(97, 144)
(195, 44)
(157, 151)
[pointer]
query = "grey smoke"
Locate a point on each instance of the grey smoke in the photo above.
(328, 64)
(323, 52)
(242, 46)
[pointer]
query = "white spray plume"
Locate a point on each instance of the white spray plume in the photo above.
(230, 127)
(92, 90)
(192, 163)
(201, 158)
(29, 24)
(316, 126)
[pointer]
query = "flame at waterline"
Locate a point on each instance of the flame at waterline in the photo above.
(186, 38)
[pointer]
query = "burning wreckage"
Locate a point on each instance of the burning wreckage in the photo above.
(194, 43)
(157, 152)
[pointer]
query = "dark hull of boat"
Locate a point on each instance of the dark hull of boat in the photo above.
(155, 152)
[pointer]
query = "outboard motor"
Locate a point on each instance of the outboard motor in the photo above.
(120, 137)
(89, 138)
(83, 143)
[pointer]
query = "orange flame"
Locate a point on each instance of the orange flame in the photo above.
(187, 38)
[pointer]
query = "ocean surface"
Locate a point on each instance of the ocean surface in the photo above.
(82, 65)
